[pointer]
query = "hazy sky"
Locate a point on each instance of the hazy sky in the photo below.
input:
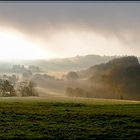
(46, 30)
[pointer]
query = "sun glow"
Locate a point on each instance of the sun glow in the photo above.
(74, 42)
(14, 45)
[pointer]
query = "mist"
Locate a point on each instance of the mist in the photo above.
(68, 49)
(110, 77)
(69, 70)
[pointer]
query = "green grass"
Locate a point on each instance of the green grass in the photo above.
(68, 118)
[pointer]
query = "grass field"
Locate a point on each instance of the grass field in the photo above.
(68, 118)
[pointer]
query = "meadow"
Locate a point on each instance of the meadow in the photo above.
(68, 118)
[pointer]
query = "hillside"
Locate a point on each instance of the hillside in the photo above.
(118, 78)
(60, 64)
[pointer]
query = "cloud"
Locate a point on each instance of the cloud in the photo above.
(120, 20)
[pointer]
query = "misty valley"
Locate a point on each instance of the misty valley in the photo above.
(95, 99)
(70, 70)
(90, 76)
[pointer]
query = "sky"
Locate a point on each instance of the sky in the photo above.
(44, 30)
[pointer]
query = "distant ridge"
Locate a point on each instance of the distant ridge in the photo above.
(62, 64)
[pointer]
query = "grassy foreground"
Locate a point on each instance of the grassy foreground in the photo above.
(73, 118)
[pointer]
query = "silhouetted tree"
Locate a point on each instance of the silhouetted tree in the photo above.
(72, 75)
(6, 88)
(28, 90)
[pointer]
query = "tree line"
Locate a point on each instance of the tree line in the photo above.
(7, 89)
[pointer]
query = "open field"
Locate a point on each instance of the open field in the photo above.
(68, 118)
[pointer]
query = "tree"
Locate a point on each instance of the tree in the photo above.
(77, 92)
(28, 90)
(27, 74)
(72, 75)
(69, 91)
(33, 68)
(6, 88)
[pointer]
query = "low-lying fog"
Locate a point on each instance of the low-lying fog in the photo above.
(100, 80)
